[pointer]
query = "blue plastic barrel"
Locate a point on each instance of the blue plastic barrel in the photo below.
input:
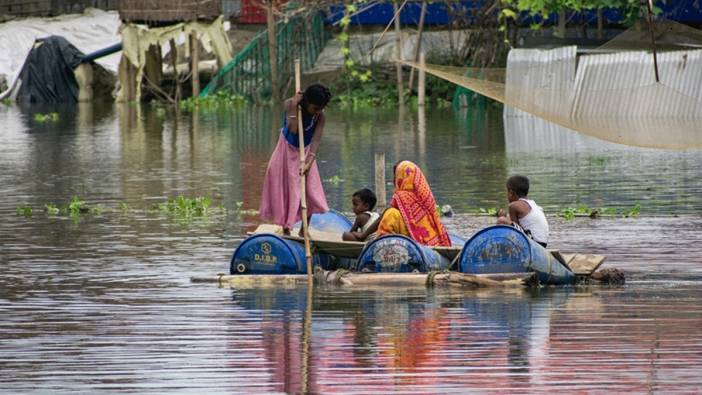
(271, 254)
(505, 249)
(332, 221)
(399, 254)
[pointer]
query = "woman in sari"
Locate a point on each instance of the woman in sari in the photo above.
(412, 211)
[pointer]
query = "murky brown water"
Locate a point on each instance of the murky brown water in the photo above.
(104, 302)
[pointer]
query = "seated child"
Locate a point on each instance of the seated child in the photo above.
(363, 202)
(524, 212)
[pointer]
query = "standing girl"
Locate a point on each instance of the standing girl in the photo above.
(281, 189)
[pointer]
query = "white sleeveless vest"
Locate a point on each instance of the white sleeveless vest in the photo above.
(535, 222)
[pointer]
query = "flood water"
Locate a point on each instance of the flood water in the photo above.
(104, 302)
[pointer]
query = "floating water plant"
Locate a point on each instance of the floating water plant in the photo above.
(50, 117)
(490, 211)
(24, 210)
(51, 209)
(77, 206)
(335, 180)
(186, 207)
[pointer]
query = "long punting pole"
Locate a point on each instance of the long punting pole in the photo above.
(303, 177)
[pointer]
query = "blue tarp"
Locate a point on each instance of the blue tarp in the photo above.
(684, 11)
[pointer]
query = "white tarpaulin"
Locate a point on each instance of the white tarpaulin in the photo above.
(89, 32)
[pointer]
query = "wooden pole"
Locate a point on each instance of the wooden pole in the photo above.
(600, 23)
(418, 47)
(195, 62)
(272, 51)
(649, 6)
(398, 50)
(346, 278)
(421, 81)
(176, 76)
(303, 177)
(380, 180)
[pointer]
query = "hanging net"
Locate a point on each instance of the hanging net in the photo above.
(610, 96)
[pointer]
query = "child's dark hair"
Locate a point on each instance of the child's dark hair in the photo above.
(519, 185)
(367, 196)
(316, 94)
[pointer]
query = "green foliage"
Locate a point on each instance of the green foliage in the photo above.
(76, 206)
(43, 118)
(7, 101)
(358, 94)
(216, 100)
(51, 209)
(632, 10)
(490, 211)
(335, 180)
(634, 211)
(24, 210)
(186, 207)
(585, 211)
(123, 207)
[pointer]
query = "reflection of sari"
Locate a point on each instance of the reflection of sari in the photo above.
(413, 209)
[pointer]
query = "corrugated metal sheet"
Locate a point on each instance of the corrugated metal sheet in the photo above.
(623, 85)
(609, 96)
(541, 78)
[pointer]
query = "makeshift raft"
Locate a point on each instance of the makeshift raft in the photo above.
(494, 252)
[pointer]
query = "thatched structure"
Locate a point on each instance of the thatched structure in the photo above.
(164, 12)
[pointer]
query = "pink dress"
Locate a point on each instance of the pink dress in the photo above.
(280, 201)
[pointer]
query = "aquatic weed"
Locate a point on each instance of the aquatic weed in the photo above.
(50, 117)
(24, 210)
(51, 209)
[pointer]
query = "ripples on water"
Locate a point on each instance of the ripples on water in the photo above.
(105, 303)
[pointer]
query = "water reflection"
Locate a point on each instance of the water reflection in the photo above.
(103, 302)
(376, 341)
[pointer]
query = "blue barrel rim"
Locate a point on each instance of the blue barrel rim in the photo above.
(414, 244)
(486, 229)
(231, 263)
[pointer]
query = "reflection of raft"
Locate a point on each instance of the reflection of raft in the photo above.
(493, 250)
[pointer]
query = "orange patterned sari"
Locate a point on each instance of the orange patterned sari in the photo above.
(415, 204)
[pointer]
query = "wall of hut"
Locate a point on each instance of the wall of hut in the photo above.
(22, 8)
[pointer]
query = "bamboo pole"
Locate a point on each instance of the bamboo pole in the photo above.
(195, 63)
(303, 177)
(380, 180)
(421, 81)
(345, 278)
(418, 47)
(398, 50)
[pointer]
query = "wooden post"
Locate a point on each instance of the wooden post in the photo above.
(422, 134)
(561, 30)
(600, 23)
(176, 75)
(303, 178)
(195, 63)
(421, 81)
(380, 180)
(418, 48)
(272, 51)
(398, 50)
(649, 6)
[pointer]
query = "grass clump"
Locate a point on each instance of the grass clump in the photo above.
(213, 101)
(44, 118)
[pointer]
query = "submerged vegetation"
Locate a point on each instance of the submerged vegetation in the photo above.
(43, 118)
(183, 209)
(213, 101)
